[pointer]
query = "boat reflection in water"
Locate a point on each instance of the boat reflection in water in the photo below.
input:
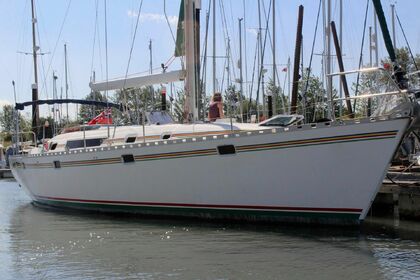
(50, 244)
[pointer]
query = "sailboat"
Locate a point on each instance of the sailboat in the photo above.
(327, 172)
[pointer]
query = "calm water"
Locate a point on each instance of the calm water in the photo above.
(40, 243)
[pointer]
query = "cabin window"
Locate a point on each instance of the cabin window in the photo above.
(75, 144)
(127, 158)
(226, 150)
(53, 146)
(131, 139)
(166, 136)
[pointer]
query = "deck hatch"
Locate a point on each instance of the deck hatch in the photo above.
(127, 158)
(226, 150)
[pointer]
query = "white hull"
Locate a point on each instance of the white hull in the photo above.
(324, 174)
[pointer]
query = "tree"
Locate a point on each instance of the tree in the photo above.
(313, 97)
(282, 102)
(7, 120)
(381, 81)
(178, 108)
(137, 100)
(7, 123)
(88, 112)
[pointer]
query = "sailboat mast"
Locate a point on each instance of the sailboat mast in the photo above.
(152, 95)
(241, 77)
(214, 46)
(375, 26)
(328, 59)
(394, 40)
(35, 109)
(340, 39)
(274, 97)
(191, 8)
(66, 81)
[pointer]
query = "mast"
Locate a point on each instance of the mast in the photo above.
(393, 26)
(241, 78)
(214, 46)
(151, 70)
(328, 59)
(191, 8)
(340, 39)
(260, 57)
(35, 109)
(274, 97)
(54, 105)
(341, 66)
(375, 27)
(66, 80)
(289, 82)
(399, 74)
(293, 106)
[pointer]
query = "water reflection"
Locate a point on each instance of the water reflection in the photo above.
(45, 244)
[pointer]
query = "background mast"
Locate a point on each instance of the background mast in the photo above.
(35, 109)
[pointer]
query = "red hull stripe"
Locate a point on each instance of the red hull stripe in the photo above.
(213, 206)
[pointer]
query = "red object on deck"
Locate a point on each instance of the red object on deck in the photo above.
(103, 118)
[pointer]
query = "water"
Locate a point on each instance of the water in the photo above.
(38, 243)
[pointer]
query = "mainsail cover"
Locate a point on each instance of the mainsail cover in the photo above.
(180, 35)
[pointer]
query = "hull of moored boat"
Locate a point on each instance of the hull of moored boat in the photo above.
(327, 174)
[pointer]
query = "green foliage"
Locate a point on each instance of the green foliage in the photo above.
(7, 123)
(137, 100)
(312, 97)
(178, 107)
(88, 112)
(281, 100)
(381, 81)
(6, 118)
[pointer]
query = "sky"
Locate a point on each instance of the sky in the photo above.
(80, 24)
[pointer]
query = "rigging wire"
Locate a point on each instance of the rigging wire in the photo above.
(406, 41)
(361, 50)
(204, 62)
(262, 56)
(59, 36)
(272, 47)
(106, 63)
(131, 52)
(172, 33)
(245, 47)
(312, 55)
(253, 73)
(94, 35)
(226, 34)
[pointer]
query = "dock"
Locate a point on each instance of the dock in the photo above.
(399, 194)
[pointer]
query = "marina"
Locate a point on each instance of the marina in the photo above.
(210, 139)
(158, 151)
(40, 243)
